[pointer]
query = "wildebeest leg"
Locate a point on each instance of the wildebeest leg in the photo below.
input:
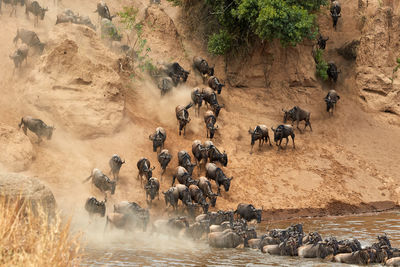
(251, 150)
(287, 141)
(293, 142)
(24, 129)
(280, 142)
(39, 139)
(298, 126)
(269, 140)
(173, 179)
(184, 130)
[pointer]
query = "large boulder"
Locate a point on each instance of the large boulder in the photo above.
(16, 149)
(32, 190)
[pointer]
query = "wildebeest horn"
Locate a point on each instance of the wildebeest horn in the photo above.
(272, 128)
(152, 168)
(216, 127)
(123, 162)
(231, 178)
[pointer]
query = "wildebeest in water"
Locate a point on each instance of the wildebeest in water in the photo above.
(37, 126)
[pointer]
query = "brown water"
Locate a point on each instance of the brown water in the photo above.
(140, 249)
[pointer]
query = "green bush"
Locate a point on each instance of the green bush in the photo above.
(219, 43)
(322, 66)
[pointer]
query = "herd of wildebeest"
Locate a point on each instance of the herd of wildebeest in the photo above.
(222, 229)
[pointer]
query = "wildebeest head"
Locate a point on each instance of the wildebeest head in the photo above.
(255, 134)
(149, 172)
(329, 104)
(49, 132)
(278, 132)
(322, 41)
(258, 213)
(227, 183)
(212, 129)
(158, 139)
(211, 70)
(167, 196)
(217, 108)
(213, 200)
(205, 207)
(42, 12)
(151, 189)
(224, 159)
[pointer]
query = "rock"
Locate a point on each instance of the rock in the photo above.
(349, 50)
(13, 185)
(16, 149)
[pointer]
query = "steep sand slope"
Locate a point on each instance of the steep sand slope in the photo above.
(351, 157)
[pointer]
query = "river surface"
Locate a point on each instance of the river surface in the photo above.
(138, 249)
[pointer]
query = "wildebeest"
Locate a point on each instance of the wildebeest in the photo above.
(185, 161)
(103, 11)
(181, 192)
(198, 197)
(297, 114)
(175, 72)
(335, 12)
(217, 218)
(322, 41)
(152, 189)
(283, 131)
(211, 99)
(143, 166)
(158, 138)
(393, 262)
(205, 186)
(109, 30)
(248, 212)
(321, 249)
(182, 115)
(199, 152)
(259, 133)
(13, 4)
(29, 38)
(210, 120)
(332, 71)
(165, 84)
(225, 239)
(215, 155)
(36, 10)
(93, 206)
(115, 163)
(197, 98)
(202, 66)
(215, 84)
(101, 181)
(358, 257)
(213, 172)
(183, 176)
(20, 55)
(37, 126)
(68, 16)
(331, 99)
(133, 216)
(171, 197)
(164, 158)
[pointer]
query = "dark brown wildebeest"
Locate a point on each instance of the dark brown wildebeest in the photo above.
(197, 196)
(322, 41)
(13, 4)
(103, 11)
(175, 72)
(215, 84)
(182, 115)
(115, 165)
(197, 98)
(68, 16)
(215, 155)
(143, 166)
(128, 216)
(181, 192)
(29, 38)
(335, 12)
(283, 131)
(205, 186)
(199, 152)
(19, 56)
(158, 138)
(248, 212)
(225, 239)
(165, 84)
(164, 158)
(152, 189)
(215, 173)
(101, 181)
(297, 114)
(185, 161)
(93, 206)
(210, 98)
(171, 197)
(331, 99)
(37, 126)
(332, 71)
(210, 120)
(259, 133)
(357, 257)
(183, 176)
(36, 10)
(202, 66)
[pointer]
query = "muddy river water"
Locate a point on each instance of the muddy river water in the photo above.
(138, 249)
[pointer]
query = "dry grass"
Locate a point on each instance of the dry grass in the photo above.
(29, 238)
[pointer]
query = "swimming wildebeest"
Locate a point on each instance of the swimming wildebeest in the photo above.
(183, 176)
(217, 218)
(182, 115)
(20, 55)
(185, 161)
(213, 172)
(199, 152)
(103, 11)
(197, 98)
(357, 257)
(215, 84)
(37, 126)
(202, 66)
(205, 186)
(36, 10)
(332, 71)
(143, 166)
(29, 38)
(198, 197)
(215, 155)
(115, 165)
(248, 212)
(322, 41)
(283, 131)
(175, 72)
(101, 181)
(164, 158)
(210, 120)
(152, 189)
(158, 138)
(93, 206)
(259, 133)
(225, 239)
(335, 12)
(320, 249)
(297, 114)
(331, 99)
(210, 98)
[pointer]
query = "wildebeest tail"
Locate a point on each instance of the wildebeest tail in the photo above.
(189, 105)
(87, 179)
(22, 122)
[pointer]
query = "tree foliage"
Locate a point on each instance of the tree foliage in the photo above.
(219, 43)
(321, 65)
